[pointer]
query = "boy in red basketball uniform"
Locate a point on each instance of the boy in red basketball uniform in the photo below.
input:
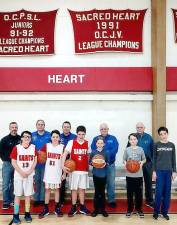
(24, 159)
(78, 179)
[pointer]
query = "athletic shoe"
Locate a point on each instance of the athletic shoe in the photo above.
(94, 213)
(5, 206)
(72, 211)
(165, 216)
(128, 214)
(84, 210)
(58, 212)
(150, 204)
(44, 213)
(104, 213)
(155, 216)
(112, 205)
(12, 204)
(140, 214)
(28, 217)
(16, 219)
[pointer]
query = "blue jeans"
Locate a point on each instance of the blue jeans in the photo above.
(163, 191)
(7, 182)
(39, 194)
(111, 182)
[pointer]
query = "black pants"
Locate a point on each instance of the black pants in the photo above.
(147, 173)
(63, 191)
(134, 187)
(99, 197)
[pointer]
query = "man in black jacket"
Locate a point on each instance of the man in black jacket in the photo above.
(6, 145)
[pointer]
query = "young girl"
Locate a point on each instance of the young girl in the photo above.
(134, 180)
(53, 172)
(99, 179)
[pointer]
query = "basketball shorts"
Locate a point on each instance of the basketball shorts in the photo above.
(23, 187)
(78, 181)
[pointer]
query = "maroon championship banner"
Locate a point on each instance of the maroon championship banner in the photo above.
(175, 23)
(27, 33)
(75, 79)
(108, 30)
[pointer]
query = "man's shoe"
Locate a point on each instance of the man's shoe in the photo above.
(84, 210)
(16, 219)
(150, 204)
(104, 213)
(58, 212)
(140, 214)
(5, 206)
(112, 204)
(28, 217)
(155, 216)
(94, 213)
(72, 211)
(165, 216)
(44, 213)
(128, 214)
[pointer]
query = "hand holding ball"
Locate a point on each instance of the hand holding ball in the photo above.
(70, 164)
(98, 161)
(132, 166)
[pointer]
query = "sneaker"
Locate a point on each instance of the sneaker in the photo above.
(5, 206)
(155, 216)
(84, 210)
(112, 204)
(28, 217)
(94, 213)
(72, 211)
(104, 213)
(16, 219)
(44, 213)
(165, 216)
(128, 214)
(150, 204)
(12, 204)
(58, 212)
(140, 214)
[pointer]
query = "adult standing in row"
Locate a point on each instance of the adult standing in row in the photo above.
(111, 145)
(65, 137)
(40, 138)
(146, 142)
(6, 145)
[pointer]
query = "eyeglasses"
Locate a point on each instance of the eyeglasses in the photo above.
(139, 127)
(26, 136)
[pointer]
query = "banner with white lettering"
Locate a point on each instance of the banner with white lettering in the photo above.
(175, 23)
(108, 30)
(27, 33)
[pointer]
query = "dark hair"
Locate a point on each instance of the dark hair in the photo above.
(26, 132)
(80, 128)
(13, 123)
(132, 134)
(67, 123)
(99, 138)
(162, 129)
(55, 132)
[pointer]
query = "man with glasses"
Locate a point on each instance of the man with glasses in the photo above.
(146, 142)
(6, 145)
(111, 146)
(40, 138)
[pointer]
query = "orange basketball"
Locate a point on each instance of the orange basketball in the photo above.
(98, 161)
(132, 166)
(70, 164)
(41, 157)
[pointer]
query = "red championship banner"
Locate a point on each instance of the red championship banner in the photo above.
(108, 30)
(27, 33)
(175, 23)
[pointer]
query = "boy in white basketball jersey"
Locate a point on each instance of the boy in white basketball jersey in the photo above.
(24, 159)
(53, 172)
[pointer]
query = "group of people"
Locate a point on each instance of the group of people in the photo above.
(19, 155)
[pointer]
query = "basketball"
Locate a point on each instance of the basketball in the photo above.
(132, 166)
(41, 157)
(98, 161)
(70, 164)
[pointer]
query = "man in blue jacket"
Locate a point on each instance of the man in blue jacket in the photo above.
(146, 142)
(111, 146)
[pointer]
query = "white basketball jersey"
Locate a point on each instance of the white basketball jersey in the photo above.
(53, 169)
